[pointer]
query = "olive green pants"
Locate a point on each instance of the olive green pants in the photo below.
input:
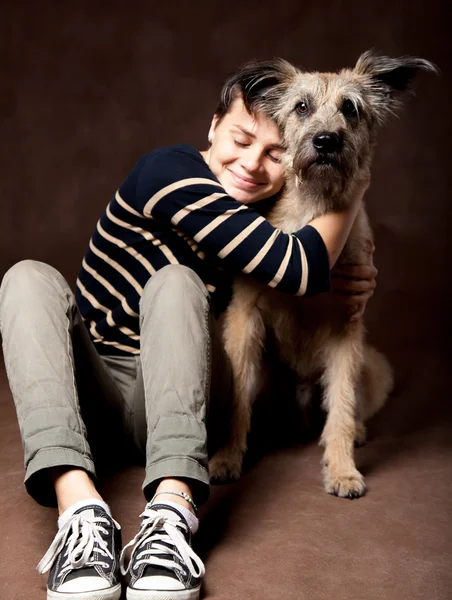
(77, 408)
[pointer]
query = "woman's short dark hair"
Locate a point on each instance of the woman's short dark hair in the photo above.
(255, 81)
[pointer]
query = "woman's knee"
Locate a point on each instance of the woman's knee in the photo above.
(173, 281)
(26, 278)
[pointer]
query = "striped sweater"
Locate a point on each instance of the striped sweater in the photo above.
(171, 209)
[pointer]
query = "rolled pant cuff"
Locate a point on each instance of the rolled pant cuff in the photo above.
(37, 480)
(178, 468)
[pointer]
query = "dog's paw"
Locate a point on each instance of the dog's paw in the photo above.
(360, 434)
(348, 485)
(226, 465)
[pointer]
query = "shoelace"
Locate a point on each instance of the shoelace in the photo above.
(166, 538)
(83, 537)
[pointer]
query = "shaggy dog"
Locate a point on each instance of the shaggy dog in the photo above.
(329, 123)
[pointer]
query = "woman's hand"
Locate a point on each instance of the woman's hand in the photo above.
(352, 286)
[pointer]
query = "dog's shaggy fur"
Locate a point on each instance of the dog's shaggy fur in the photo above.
(314, 340)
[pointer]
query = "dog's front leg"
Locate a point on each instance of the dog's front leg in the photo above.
(244, 337)
(343, 360)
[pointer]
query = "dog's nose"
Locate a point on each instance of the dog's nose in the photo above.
(328, 142)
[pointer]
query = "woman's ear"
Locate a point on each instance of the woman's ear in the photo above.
(212, 129)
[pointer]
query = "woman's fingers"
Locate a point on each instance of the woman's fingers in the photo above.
(356, 299)
(355, 271)
(357, 309)
(352, 286)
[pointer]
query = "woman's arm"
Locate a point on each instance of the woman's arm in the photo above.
(174, 185)
(335, 228)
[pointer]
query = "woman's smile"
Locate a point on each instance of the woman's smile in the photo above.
(245, 182)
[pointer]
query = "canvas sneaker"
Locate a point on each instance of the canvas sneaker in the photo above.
(162, 565)
(83, 559)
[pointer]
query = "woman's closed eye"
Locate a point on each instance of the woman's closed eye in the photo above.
(240, 144)
(272, 157)
(276, 159)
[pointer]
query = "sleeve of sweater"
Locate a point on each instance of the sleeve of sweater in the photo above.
(176, 186)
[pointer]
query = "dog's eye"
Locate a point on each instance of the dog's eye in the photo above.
(302, 108)
(349, 109)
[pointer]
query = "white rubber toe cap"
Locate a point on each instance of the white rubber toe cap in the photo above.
(84, 584)
(158, 583)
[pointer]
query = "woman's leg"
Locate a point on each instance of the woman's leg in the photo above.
(171, 405)
(42, 332)
(183, 365)
(175, 363)
(44, 340)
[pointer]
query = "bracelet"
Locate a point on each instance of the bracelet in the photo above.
(182, 495)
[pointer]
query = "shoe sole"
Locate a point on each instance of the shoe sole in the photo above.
(192, 594)
(113, 593)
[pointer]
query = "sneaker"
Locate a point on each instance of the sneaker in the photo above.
(83, 559)
(163, 565)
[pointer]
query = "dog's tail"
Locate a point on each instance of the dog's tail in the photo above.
(376, 383)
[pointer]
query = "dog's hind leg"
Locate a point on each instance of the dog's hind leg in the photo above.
(244, 336)
(375, 384)
(343, 360)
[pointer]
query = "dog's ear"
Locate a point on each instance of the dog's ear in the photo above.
(389, 77)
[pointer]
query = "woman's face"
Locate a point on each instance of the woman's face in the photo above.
(245, 154)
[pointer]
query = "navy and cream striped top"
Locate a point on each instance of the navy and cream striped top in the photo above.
(171, 209)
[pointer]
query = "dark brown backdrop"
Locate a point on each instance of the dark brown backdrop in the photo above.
(85, 88)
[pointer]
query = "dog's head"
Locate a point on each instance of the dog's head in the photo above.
(329, 120)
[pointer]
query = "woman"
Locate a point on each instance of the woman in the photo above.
(135, 350)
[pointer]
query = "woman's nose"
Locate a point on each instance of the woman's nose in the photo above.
(251, 160)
